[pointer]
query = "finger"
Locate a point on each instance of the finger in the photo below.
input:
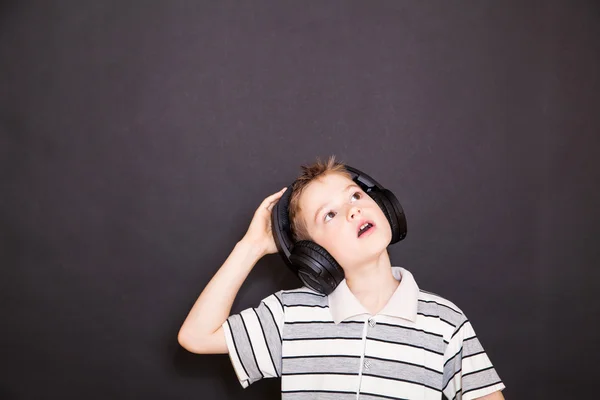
(272, 198)
(270, 206)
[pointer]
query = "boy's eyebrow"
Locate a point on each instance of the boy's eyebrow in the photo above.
(350, 186)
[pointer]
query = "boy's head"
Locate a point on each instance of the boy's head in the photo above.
(329, 208)
(309, 174)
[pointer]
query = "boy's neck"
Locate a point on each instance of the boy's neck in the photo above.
(373, 283)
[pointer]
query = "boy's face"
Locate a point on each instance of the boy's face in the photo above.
(334, 209)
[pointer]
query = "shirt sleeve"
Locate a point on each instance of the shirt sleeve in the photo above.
(468, 371)
(254, 340)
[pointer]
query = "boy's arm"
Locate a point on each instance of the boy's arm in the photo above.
(201, 331)
(492, 396)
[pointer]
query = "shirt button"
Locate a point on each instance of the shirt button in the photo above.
(371, 323)
(367, 364)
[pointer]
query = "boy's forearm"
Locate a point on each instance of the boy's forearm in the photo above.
(214, 303)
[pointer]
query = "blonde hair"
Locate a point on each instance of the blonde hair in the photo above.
(309, 173)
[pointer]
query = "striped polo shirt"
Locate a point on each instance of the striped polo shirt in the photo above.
(330, 347)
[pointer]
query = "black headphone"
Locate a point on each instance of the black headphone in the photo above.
(315, 267)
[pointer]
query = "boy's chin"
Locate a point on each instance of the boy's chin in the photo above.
(369, 256)
(377, 244)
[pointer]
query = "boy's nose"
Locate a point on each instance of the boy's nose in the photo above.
(353, 212)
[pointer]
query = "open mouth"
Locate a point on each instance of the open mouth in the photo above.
(364, 228)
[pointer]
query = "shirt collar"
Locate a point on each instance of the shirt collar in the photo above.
(403, 303)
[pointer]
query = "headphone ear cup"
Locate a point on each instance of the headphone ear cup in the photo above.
(393, 211)
(316, 267)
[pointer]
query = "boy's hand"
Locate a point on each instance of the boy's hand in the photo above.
(259, 233)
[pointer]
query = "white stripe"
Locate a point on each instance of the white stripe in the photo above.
(275, 307)
(465, 332)
(454, 385)
(257, 340)
(323, 347)
(393, 388)
(304, 290)
(235, 359)
(435, 325)
(399, 352)
(475, 363)
(307, 314)
(482, 392)
(331, 382)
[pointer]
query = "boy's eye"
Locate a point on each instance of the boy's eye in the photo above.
(355, 196)
(329, 216)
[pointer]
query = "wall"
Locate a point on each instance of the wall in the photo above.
(137, 138)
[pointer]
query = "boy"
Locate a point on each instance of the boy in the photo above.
(375, 336)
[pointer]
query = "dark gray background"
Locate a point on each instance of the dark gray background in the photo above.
(137, 139)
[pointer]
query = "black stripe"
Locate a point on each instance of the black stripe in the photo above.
(279, 300)
(318, 356)
(476, 372)
(402, 380)
(309, 322)
(321, 338)
(333, 323)
(455, 354)
(406, 344)
(235, 347)
(301, 292)
(428, 315)
(383, 396)
(405, 363)
(328, 322)
(437, 317)
(266, 344)
(448, 322)
(482, 387)
(251, 347)
(459, 328)
(320, 373)
(440, 304)
(474, 354)
(317, 391)
(450, 380)
(305, 305)
(456, 394)
(275, 322)
(353, 322)
(471, 338)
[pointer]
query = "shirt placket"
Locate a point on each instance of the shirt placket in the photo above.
(365, 365)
